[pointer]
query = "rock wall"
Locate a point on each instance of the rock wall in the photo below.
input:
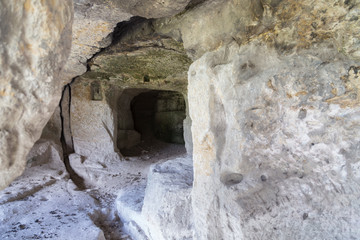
(161, 208)
(273, 98)
(35, 44)
(92, 122)
(35, 38)
(131, 66)
(170, 112)
(167, 209)
(94, 23)
(276, 144)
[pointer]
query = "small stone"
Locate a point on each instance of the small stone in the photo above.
(302, 113)
(305, 216)
(232, 179)
(314, 25)
(263, 178)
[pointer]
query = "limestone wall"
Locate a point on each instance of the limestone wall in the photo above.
(103, 123)
(276, 144)
(35, 40)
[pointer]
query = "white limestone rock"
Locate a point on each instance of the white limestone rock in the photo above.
(160, 209)
(93, 122)
(167, 203)
(286, 25)
(94, 21)
(35, 38)
(276, 144)
(46, 152)
(150, 8)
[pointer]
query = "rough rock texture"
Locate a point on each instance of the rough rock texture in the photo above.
(46, 152)
(167, 202)
(101, 98)
(94, 21)
(35, 39)
(151, 62)
(169, 117)
(52, 130)
(93, 123)
(43, 203)
(220, 22)
(276, 144)
(160, 209)
(274, 105)
(273, 98)
(151, 9)
(273, 21)
(93, 27)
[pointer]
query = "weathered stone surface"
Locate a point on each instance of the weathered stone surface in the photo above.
(93, 122)
(160, 209)
(150, 62)
(46, 152)
(167, 203)
(52, 130)
(274, 105)
(149, 9)
(121, 72)
(220, 21)
(44, 204)
(128, 138)
(35, 39)
(276, 144)
(285, 25)
(94, 21)
(168, 126)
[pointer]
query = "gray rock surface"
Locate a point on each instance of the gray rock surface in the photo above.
(94, 21)
(160, 209)
(43, 203)
(32, 34)
(167, 203)
(35, 38)
(276, 144)
(152, 8)
(273, 105)
(286, 25)
(117, 76)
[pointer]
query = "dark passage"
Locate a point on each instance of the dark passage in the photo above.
(158, 116)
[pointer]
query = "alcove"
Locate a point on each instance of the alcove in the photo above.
(150, 120)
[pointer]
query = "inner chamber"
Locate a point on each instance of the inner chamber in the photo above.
(157, 124)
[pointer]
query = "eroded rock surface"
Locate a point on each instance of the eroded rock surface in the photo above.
(44, 203)
(35, 38)
(140, 61)
(273, 97)
(153, 8)
(160, 209)
(94, 21)
(276, 141)
(285, 25)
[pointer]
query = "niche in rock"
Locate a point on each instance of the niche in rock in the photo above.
(156, 119)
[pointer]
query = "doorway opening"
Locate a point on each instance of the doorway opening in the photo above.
(157, 124)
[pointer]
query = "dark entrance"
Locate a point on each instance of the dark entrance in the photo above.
(158, 117)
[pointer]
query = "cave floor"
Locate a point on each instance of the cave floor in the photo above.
(44, 203)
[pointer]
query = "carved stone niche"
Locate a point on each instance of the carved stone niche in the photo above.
(96, 93)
